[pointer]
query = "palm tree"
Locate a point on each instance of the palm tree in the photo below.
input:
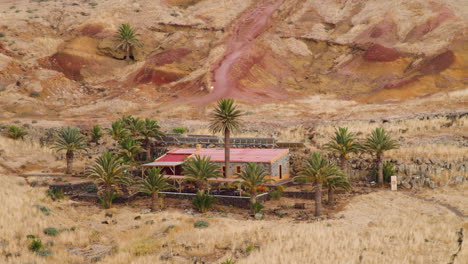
(133, 125)
(150, 130)
(15, 132)
(128, 39)
(117, 130)
(152, 184)
(378, 142)
(319, 170)
(109, 172)
(252, 178)
(96, 134)
(340, 182)
(343, 143)
(200, 170)
(129, 148)
(225, 119)
(70, 140)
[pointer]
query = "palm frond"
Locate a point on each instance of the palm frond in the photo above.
(379, 141)
(69, 139)
(225, 116)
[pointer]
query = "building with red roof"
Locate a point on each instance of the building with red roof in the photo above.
(275, 161)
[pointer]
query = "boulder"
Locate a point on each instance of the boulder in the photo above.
(34, 87)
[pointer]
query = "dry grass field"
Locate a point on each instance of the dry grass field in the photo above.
(381, 227)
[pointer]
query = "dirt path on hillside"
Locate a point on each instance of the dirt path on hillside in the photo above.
(249, 27)
(449, 207)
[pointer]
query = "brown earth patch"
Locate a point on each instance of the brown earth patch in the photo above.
(378, 52)
(91, 30)
(69, 65)
(168, 56)
(438, 63)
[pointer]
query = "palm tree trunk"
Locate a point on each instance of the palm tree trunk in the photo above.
(227, 154)
(380, 169)
(253, 199)
(154, 201)
(148, 149)
(69, 156)
(318, 199)
(344, 164)
(128, 53)
(331, 196)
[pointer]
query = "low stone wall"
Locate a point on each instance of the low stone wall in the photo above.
(300, 195)
(237, 201)
(71, 188)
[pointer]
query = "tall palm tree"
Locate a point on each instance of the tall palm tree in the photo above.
(252, 178)
(319, 170)
(150, 130)
(343, 143)
(134, 125)
(200, 170)
(378, 142)
(226, 119)
(109, 172)
(128, 39)
(152, 184)
(340, 182)
(129, 148)
(70, 140)
(117, 130)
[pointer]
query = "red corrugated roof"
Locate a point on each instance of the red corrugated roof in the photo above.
(217, 154)
(173, 157)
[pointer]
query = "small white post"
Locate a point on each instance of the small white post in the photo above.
(394, 182)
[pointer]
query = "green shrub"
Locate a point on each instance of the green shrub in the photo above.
(249, 248)
(203, 201)
(257, 207)
(93, 4)
(44, 253)
(300, 180)
(275, 195)
(388, 171)
(2, 35)
(179, 130)
(35, 245)
(280, 188)
(43, 209)
(228, 261)
(51, 231)
(34, 94)
(201, 224)
(55, 193)
(92, 188)
(33, 183)
(30, 236)
(15, 132)
(107, 197)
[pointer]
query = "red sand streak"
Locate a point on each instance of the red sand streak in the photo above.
(251, 25)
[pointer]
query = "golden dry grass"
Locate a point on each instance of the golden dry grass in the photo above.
(379, 227)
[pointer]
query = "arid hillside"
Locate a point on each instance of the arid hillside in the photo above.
(59, 58)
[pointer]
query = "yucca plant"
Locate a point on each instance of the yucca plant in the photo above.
(343, 143)
(152, 183)
(109, 171)
(150, 130)
(117, 131)
(15, 132)
(252, 178)
(226, 119)
(129, 148)
(319, 170)
(203, 201)
(128, 39)
(200, 169)
(70, 140)
(378, 142)
(96, 134)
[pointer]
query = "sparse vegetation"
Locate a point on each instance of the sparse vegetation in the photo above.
(35, 245)
(96, 134)
(51, 231)
(15, 132)
(203, 201)
(200, 169)
(179, 130)
(55, 194)
(343, 143)
(201, 224)
(252, 178)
